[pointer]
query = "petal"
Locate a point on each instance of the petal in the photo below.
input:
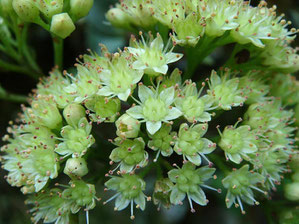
(229, 199)
(167, 96)
(196, 160)
(124, 96)
(204, 117)
(162, 69)
(173, 57)
(172, 174)
(157, 43)
(140, 200)
(144, 93)
(125, 167)
(205, 173)
(153, 127)
(113, 183)
(215, 79)
(199, 197)
(173, 113)
(236, 158)
(139, 65)
(105, 91)
(121, 203)
(136, 51)
(209, 146)
(135, 112)
(176, 196)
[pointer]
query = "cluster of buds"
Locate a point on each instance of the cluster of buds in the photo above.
(152, 110)
(57, 16)
(196, 23)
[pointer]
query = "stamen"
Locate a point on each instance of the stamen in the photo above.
(157, 156)
(110, 199)
(190, 203)
(241, 206)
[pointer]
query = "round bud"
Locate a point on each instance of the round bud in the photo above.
(292, 191)
(80, 8)
(62, 25)
(118, 18)
(72, 113)
(76, 167)
(127, 127)
(6, 6)
(50, 7)
(26, 10)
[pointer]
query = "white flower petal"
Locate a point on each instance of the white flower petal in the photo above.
(144, 93)
(153, 127)
(173, 113)
(162, 69)
(167, 96)
(135, 112)
(173, 57)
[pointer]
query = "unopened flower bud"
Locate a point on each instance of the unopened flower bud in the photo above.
(26, 10)
(127, 127)
(6, 6)
(73, 113)
(62, 25)
(76, 167)
(50, 7)
(80, 8)
(118, 18)
(292, 191)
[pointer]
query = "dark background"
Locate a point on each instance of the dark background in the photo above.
(91, 31)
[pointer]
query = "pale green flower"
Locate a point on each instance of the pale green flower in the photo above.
(224, 91)
(194, 107)
(154, 108)
(152, 57)
(239, 184)
(120, 79)
(188, 181)
(191, 144)
(129, 188)
(76, 140)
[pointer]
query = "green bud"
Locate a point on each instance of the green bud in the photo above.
(238, 142)
(188, 181)
(62, 25)
(129, 189)
(118, 18)
(80, 194)
(162, 191)
(191, 144)
(76, 139)
(238, 184)
(6, 6)
(26, 10)
(44, 112)
(127, 127)
(73, 113)
(80, 8)
(50, 7)
(106, 110)
(130, 154)
(76, 167)
(292, 191)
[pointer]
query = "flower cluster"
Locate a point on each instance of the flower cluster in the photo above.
(50, 15)
(221, 21)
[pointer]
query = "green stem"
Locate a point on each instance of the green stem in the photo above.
(58, 51)
(26, 51)
(12, 97)
(19, 69)
(219, 163)
(204, 48)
